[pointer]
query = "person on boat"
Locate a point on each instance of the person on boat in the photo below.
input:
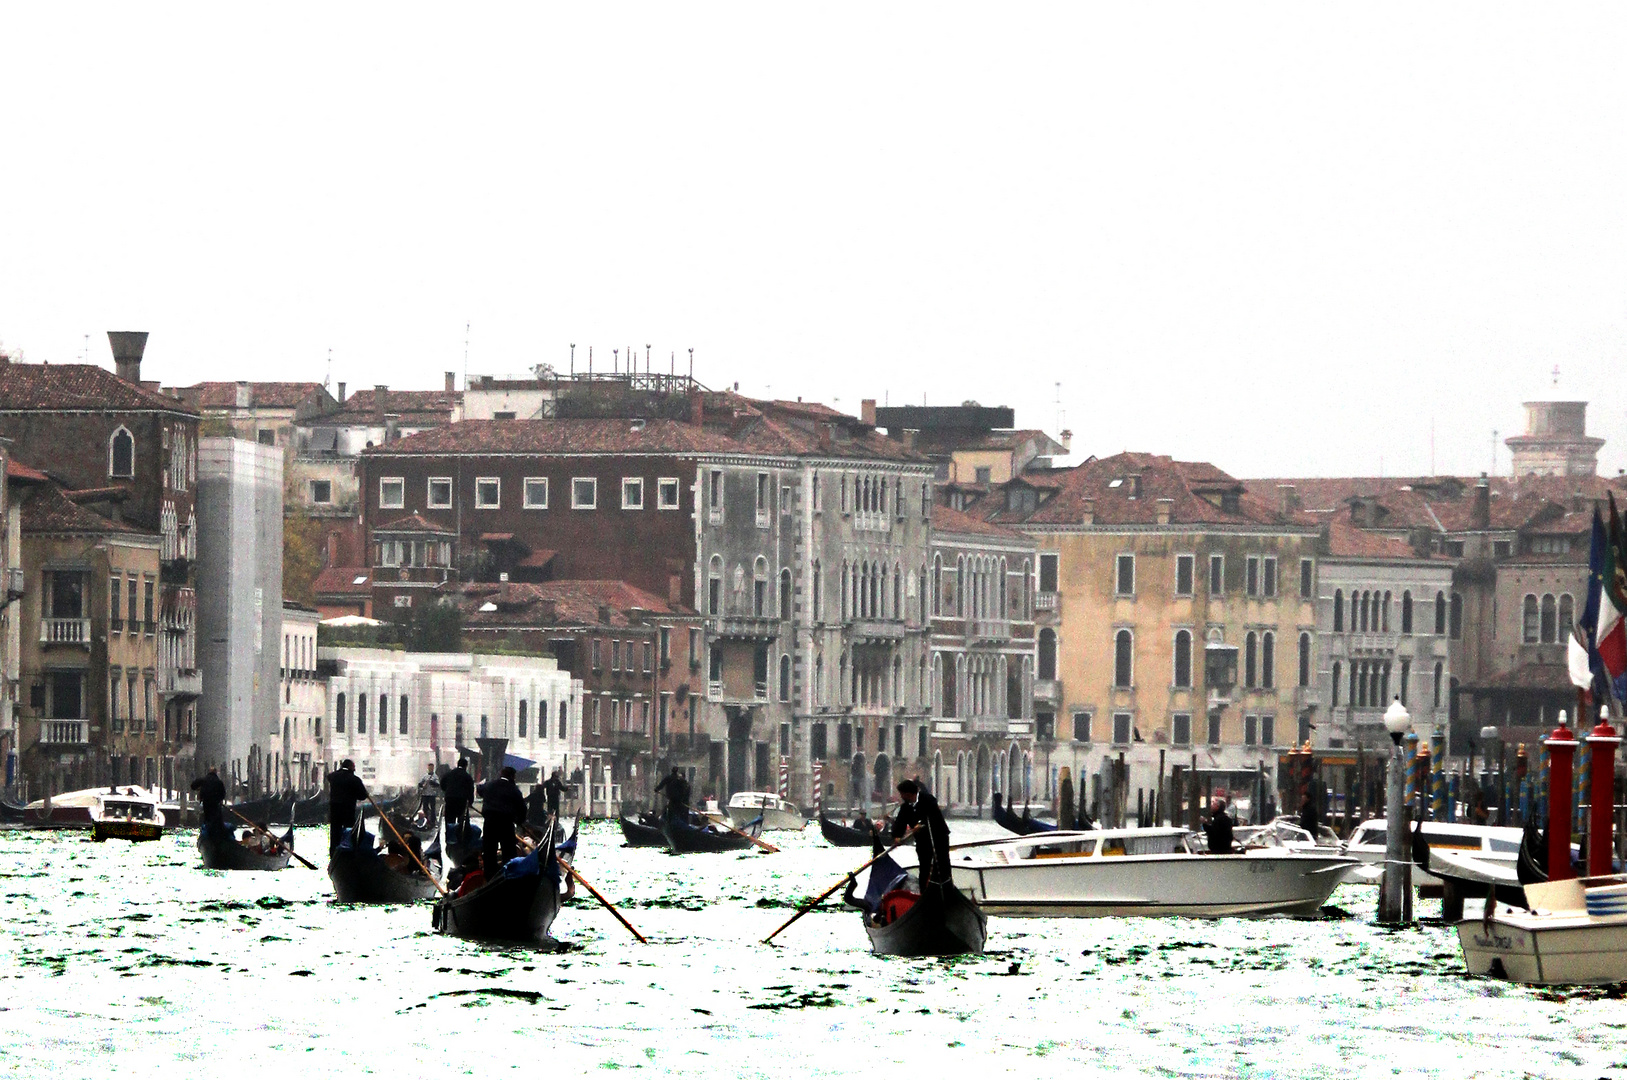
(1219, 829)
(676, 788)
(345, 791)
(1310, 816)
(212, 795)
(503, 807)
(429, 793)
(553, 787)
(932, 840)
(458, 789)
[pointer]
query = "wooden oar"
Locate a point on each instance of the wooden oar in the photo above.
(391, 825)
(727, 824)
(597, 895)
(843, 880)
(267, 832)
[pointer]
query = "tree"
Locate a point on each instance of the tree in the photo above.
(435, 627)
(302, 555)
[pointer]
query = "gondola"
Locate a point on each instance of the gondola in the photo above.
(518, 905)
(12, 813)
(645, 832)
(278, 808)
(1532, 862)
(938, 920)
(222, 851)
(838, 835)
(365, 876)
(1022, 826)
(311, 811)
(686, 839)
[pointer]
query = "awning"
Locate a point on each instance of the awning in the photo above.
(517, 763)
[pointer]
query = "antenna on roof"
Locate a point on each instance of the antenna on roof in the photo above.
(328, 374)
(692, 364)
(615, 361)
(573, 359)
(672, 363)
(646, 359)
(590, 361)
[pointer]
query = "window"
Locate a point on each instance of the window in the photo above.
(1529, 622)
(1269, 585)
(615, 656)
(339, 713)
(632, 493)
(1047, 653)
(440, 492)
(1122, 728)
(759, 588)
(1334, 703)
(1251, 730)
(1502, 549)
(1550, 619)
(1567, 617)
(1268, 660)
(785, 593)
(121, 454)
(785, 500)
(1047, 573)
(648, 653)
(1307, 579)
(1183, 575)
(114, 590)
(1338, 610)
(361, 714)
(384, 714)
(1439, 671)
(666, 493)
(1440, 613)
(762, 495)
(488, 490)
(1181, 729)
(321, 492)
(584, 493)
(785, 677)
(392, 493)
(147, 605)
(694, 648)
(1123, 664)
(1081, 726)
(401, 715)
(1251, 584)
(1406, 678)
(598, 656)
(714, 587)
(714, 493)
(1183, 658)
(1125, 579)
(1214, 729)
(1406, 611)
(1217, 575)
(535, 495)
(1457, 616)
(1305, 660)
(1251, 657)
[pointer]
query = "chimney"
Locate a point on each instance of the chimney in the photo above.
(825, 437)
(451, 382)
(867, 411)
(1067, 441)
(604, 614)
(697, 410)
(333, 550)
(341, 395)
(128, 345)
(1089, 516)
(1164, 509)
(245, 395)
(909, 437)
(1287, 498)
(1481, 515)
(548, 608)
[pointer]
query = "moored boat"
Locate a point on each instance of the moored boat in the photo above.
(1489, 844)
(221, 850)
(520, 904)
(645, 832)
(903, 919)
(687, 839)
(1142, 872)
(363, 875)
(775, 812)
(1021, 825)
(131, 814)
(1575, 936)
(838, 835)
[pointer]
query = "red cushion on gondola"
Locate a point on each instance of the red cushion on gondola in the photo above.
(896, 904)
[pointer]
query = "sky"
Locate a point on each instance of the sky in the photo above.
(1290, 239)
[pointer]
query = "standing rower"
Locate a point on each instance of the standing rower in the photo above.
(554, 787)
(931, 841)
(345, 791)
(458, 788)
(503, 808)
(676, 789)
(212, 794)
(429, 793)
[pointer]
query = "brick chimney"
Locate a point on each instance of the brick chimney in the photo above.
(909, 437)
(1089, 515)
(1164, 509)
(867, 412)
(245, 395)
(697, 410)
(1481, 515)
(128, 345)
(451, 382)
(340, 396)
(605, 613)
(1067, 441)
(548, 609)
(1287, 498)
(826, 438)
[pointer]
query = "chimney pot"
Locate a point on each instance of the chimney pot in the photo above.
(1089, 515)
(128, 347)
(1067, 441)
(1287, 498)
(909, 437)
(379, 389)
(341, 394)
(451, 381)
(1164, 509)
(867, 412)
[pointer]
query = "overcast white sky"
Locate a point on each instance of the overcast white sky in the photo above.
(1284, 238)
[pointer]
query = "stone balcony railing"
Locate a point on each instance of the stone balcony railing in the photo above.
(988, 629)
(1047, 601)
(175, 682)
(878, 629)
(65, 732)
(1048, 690)
(65, 632)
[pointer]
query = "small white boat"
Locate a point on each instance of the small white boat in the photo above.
(1576, 935)
(1493, 850)
(746, 806)
(1115, 872)
(130, 814)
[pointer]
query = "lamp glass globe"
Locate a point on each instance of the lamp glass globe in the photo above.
(1396, 718)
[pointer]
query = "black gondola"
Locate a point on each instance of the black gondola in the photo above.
(686, 839)
(510, 907)
(223, 851)
(1022, 826)
(645, 832)
(365, 876)
(1532, 862)
(311, 811)
(278, 808)
(12, 813)
(935, 921)
(838, 835)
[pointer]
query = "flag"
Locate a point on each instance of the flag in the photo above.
(1606, 602)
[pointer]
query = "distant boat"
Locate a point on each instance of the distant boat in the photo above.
(363, 875)
(1022, 826)
(520, 904)
(687, 839)
(777, 813)
(221, 850)
(644, 832)
(132, 814)
(838, 835)
(1490, 844)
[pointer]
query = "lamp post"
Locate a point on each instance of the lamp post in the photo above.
(1395, 895)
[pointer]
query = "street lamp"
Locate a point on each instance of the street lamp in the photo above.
(1395, 897)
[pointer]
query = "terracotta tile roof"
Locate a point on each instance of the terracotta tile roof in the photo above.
(1345, 541)
(343, 580)
(267, 395)
(1447, 503)
(414, 523)
(49, 510)
(946, 519)
(402, 402)
(16, 470)
(52, 387)
(564, 436)
(799, 428)
(575, 603)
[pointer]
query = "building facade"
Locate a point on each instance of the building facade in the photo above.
(297, 763)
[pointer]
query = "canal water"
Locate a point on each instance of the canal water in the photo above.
(120, 959)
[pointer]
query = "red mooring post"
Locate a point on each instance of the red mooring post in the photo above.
(1561, 748)
(1602, 784)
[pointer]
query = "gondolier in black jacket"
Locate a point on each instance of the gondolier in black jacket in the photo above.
(503, 807)
(458, 789)
(932, 841)
(212, 794)
(553, 787)
(1218, 829)
(676, 788)
(345, 791)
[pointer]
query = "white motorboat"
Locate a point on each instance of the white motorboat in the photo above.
(1575, 935)
(746, 806)
(1143, 872)
(74, 809)
(130, 814)
(1481, 852)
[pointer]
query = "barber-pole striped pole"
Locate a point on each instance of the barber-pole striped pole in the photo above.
(785, 778)
(819, 788)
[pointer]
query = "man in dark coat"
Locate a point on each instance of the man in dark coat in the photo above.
(932, 840)
(458, 789)
(503, 807)
(676, 789)
(554, 787)
(1219, 829)
(212, 794)
(345, 792)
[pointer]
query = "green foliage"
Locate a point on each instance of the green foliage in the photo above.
(302, 543)
(435, 627)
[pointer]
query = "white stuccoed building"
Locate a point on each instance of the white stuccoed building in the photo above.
(395, 713)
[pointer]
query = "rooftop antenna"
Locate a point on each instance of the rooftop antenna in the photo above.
(84, 357)
(691, 364)
(590, 361)
(329, 373)
(573, 359)
(1061, 417)
(615, 361)
(646, 359)
(672, 363)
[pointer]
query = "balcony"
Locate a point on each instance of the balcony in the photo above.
(180, 683)
(65, 632)
(1049, 690)
(65, 732)
(1372, 643)
(877, 629)
(619, 741)
(747, 627)
(1047, 601)
(987, 725)
(988, 630)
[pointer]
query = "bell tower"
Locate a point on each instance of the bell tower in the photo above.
(1556, 442)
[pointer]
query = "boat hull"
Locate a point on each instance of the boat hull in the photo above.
(220, 850)
(1015, 823)
(365, 878)
(126, 830)
(688, 840)
(508, 909)
(1562, 949)
(839, 835)
(638, 834)
(1254, 883)
(784, 817)
(944, 922)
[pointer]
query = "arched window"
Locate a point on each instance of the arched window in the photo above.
(542, 719)
(1251, 659)
(1123, 659)
(361, 714)
(1567, 616)
(960, 588)
(121, 454)
(1338, 610)
(1550, 619)
(785, 593)
(818, 597)
(339, 713)
(785, 677)
(1335, 702)
(1305, 661)
(1455, 627)
(1183, 658)
(844, 589)
(1366, 604)
(1438, 672)
(714, 585)
(898, 591)
(522, 719)
(1406, 612)
(401, 715)
(1530, 625)
(1384, 615)
(1268, 660)
(1047, 653)
(384, 714)
(937, 584)
(564, 719)
(1440, 613)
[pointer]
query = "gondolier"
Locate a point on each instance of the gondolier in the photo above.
(931, 842)
(553, 787)
(345, 791)
(1218, 829)
(676, 788)
(429, 793)
(503, 807)
(458, 789)
(212, 795)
